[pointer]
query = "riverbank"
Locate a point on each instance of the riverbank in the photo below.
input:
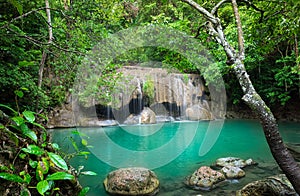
(288, 113)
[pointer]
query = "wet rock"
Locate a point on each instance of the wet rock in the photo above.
(132, 119)
(197, 112)
(89, 122)
(233, 172)
(148, 116)
(274, 185)
(132, 181)
(204, 178)
(234, 161)
(61, 117)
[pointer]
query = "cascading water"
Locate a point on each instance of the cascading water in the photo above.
(173, 91)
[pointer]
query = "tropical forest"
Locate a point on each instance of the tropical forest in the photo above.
(144, 98)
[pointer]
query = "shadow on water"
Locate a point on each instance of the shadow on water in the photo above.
(172, 151)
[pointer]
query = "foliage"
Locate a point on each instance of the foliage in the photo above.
(148, 90)
(32, 161)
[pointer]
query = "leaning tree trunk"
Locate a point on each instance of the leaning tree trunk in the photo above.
(270, 127)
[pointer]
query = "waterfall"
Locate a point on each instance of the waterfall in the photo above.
(173, 91)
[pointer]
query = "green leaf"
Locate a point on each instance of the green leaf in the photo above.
(25, 192)
(39, 125)
(39, 175)
(89, 173)
(28, 132)
(4, 168)
(55, 146)
(58, 161)
(22, 155)
(84, 142)
(27, 178)
(74, 144)
(60, 176)
(43, 165)
(7, 107)
(33, 149)
(18, 120)
(17, 5)
(42, 187)
(43, 116)
(11, 177)
(29, 115)
(19, 93)
(32, 163)
(83, 153)
(84, 191)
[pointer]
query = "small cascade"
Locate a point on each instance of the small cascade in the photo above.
(174, 94)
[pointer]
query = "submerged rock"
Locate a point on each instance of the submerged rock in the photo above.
(132, 181)
(234, 162)
(233, 172)
(274, 185)
(204, 178)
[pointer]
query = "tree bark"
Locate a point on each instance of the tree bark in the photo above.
(270, 127)
(44, 55)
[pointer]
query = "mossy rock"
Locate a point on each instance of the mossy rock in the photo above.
(273, 186)
(135, 181)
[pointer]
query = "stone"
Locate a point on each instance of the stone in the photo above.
(233, 172)
(61, 117)
(132, 119)
(148, 116)
(204, 178)
(94, 122)
(132, 181)
(197, 112)
(274, 185)
(234, 161)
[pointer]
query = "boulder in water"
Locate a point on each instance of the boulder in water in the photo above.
(234, 161)
(132, 181)
(204, 178)
(274, 185)
(233, 172)
(148, 116)
(197, 112)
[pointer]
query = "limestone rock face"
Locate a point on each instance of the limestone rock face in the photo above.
(234, 161)
(233, 172)
(204, 178)
(148, 116)
(132, 181)
(274, 185)
(197, 112)
(62, 117)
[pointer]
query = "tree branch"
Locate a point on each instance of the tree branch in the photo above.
(21, 16)
(250, 4)
(239, 30)
(215, 9)
(203, 11)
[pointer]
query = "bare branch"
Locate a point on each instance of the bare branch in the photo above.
(199, 28)
(215, 29)
(203, 11)
(239, 30)
(40, 44)
(22, 16)
(215, 9)
(250, 4)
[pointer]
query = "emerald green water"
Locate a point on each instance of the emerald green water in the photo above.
(172, 150)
